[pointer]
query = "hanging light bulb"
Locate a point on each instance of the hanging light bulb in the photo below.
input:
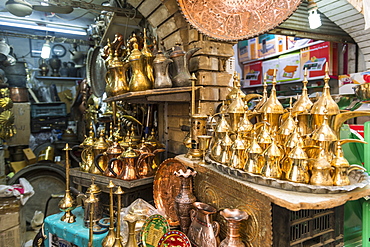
(45, 52)
(314, 17)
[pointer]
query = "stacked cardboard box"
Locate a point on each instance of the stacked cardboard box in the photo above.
(12, 225)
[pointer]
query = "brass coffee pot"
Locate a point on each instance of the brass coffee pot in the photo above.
(321, 169)
(225, 155)
(254, 160)
(148, 59)
(237, 153)
(181, 76)
(116, 77)
(273, 108)
(236, 111)
(341, 166)
(112, 152)
(264, 98)
(100, 146)
(298, 171)
(138, 81)
(325, 105)
(301, 109)
(272, 156)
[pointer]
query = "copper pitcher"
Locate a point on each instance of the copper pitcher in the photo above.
(112, 152)
(203, 232)
(144, 168)
(129, 161)
(233, 218)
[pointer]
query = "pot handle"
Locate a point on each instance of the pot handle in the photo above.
(72, 154)
(110, 162)
(96, 162)
(216, 228)
(193, 213)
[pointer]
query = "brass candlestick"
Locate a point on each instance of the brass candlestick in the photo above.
(111, 237)
(92, 200)
(203, 146)
(198, 125)
(118, 242)
(67, 204)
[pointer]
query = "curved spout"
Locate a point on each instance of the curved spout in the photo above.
(342, 117)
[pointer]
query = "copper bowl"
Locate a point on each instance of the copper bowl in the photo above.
(19, 94)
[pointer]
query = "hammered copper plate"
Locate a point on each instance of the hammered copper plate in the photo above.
(231, 20)
(166, 187)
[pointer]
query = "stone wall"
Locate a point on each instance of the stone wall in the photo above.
(208, 64)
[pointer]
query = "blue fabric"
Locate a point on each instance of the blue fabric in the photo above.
(75, 233)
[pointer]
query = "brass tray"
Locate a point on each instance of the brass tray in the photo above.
(166, 187)
(97, 72)
(358, 179)
(236, 20)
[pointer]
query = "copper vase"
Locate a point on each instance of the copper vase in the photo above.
(233, 218)
(185, 199)
(203, 232)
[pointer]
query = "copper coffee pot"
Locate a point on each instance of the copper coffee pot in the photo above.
(129, 161)
(112, 152)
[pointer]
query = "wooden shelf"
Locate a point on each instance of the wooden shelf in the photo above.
(180, 94)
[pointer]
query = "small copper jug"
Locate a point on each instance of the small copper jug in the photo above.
(130, 160)
(112, 152)
(144, 168)
(233, 218)
(203, 232)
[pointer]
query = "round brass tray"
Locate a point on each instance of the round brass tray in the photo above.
(358, 179)
(236, 20)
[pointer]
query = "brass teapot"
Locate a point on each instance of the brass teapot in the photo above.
(341, 166)
(321, 169)
(100, 146)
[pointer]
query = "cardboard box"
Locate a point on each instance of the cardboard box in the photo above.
(253, 48)
(22, 113)
(315, 57)
(30, 156)
(296, 43)
(12, 224)
(243, 51)
(268, 67)
(11, 237)
(290, 67)
(270, 44)
(18, 165)
(252, 73)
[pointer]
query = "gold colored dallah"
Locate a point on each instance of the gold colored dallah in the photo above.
(138, 81)
(273, 108)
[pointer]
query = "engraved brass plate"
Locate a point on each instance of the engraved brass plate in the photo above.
(236, 19)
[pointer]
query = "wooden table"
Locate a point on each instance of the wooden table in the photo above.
(265, 204)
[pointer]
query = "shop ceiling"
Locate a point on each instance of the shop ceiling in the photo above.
(84, 13)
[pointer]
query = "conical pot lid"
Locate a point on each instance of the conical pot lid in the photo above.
(303, 104)
(272, 105)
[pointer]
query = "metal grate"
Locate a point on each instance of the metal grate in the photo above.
(312, 228)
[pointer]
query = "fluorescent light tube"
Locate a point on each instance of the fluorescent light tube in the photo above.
(44, 28)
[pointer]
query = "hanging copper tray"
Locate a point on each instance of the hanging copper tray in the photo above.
(236, 20)
(166, 187)
(97, 72)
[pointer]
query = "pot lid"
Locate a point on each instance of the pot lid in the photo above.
(325, 103)
(236, 20)
(303, 104)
